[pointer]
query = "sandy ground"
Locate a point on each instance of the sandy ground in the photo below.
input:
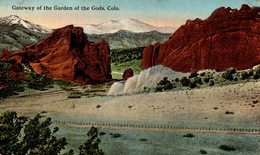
(200, 107)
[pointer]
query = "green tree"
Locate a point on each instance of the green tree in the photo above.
(90, 146)
(10, 127)
(21, 135)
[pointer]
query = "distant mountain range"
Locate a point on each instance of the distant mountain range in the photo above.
(131, 25)
(16, 33)
(15, 20)
(125, 39)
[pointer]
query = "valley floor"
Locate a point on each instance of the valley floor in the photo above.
(228, 107)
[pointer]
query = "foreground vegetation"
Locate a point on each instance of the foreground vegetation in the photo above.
(22, 135)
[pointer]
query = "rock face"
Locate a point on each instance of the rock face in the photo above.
(66, 54)
(228, 38)
(128, 73)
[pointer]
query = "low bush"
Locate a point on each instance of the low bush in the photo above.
(251, 72)
(198, 80)
(257, 73)
(193, 74)
(227, 148)
(185, 81)
(203, 152)
(206, 79)
(202, 74)
(116, 135)
(256, 76)
(102, 133)
(38, 82)
(193, 84)
(189, 135)
(211, 82)
(75, 94)
(143, 139)
(244, 75)
(164, 84)
(228, 75)
(229, 112)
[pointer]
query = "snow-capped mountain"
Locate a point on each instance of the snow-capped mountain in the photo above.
(15, 20)
(132, 25)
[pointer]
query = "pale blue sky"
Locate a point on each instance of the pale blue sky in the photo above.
(155, 12)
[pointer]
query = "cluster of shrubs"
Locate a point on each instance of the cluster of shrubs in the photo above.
(8, 87)
(165, 85)
(12, 88)
(29, 79)
(193, 81)
(233, 75)
(75, 94)
(39, 82)
(196, 80)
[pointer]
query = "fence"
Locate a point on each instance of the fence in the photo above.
(159, 127)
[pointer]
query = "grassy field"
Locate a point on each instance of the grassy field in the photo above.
(136, 142)
(119, 68)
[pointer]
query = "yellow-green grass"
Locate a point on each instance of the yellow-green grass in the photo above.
(118, 68)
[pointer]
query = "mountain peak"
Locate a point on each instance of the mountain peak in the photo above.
(13, 17)
(133, 25)
(16, 20)
(11, 20)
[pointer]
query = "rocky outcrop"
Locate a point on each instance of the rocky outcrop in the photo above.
(228, 38)
(67, 55)
(128, 73)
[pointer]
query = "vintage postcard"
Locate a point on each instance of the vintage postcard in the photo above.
(130, 77)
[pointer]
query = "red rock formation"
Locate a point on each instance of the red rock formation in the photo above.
(66, 54)
(228, 38)
(128, 73)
